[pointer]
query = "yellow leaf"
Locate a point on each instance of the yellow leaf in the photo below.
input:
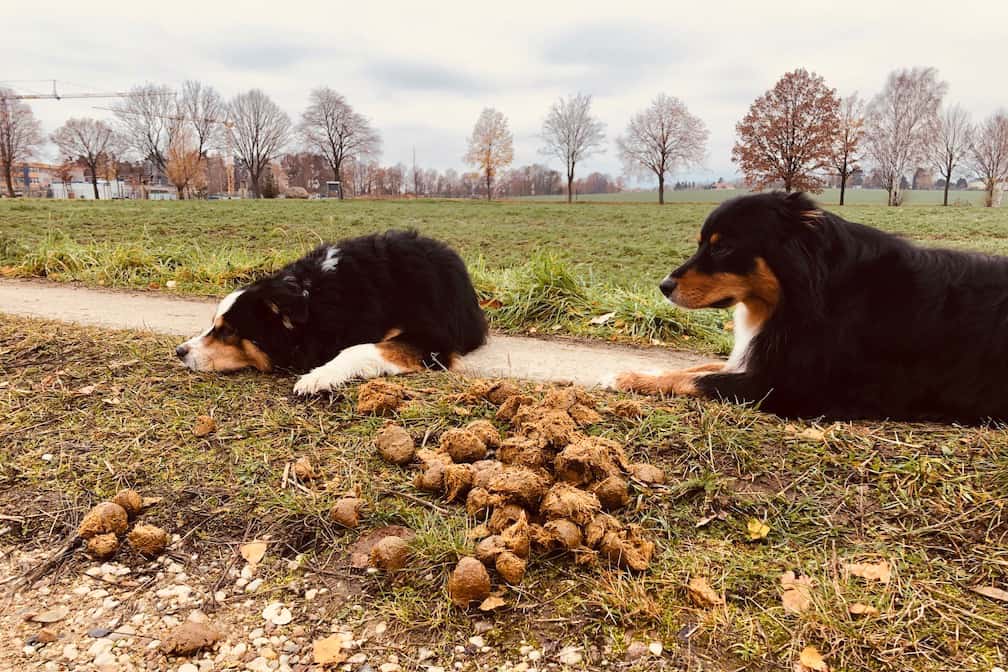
(702, 594)
(811, 659)
(812, 434)
(757, 529)
(991, 592)
(872, 571)
(253, 551)
(492, 602)
(328, 651)
(858, 609)
(797, 594)
(204, 425)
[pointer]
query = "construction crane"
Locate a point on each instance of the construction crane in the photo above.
(56, 95)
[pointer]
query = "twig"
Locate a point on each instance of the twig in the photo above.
(423, 502)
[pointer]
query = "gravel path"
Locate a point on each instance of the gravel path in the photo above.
(503, 356)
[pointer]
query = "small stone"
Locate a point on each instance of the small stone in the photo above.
(390, 667)
(655, 648)
(424, 654)
(477, 641)
(636, 650)
(188, 667)
(70, 652)
(357, 659)
(253, 585)
(569, 655)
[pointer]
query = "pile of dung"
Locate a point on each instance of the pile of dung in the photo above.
(106, 524)
(541, 485)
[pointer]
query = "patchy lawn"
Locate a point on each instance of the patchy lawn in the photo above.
(748, 499)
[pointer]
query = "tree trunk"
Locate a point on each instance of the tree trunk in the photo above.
(661, 189)
(9, 179)
(488, 185)
(181, 195)
(94, 180)
(336, 177)
(254, 184)
(843, 180)
(989, 199)
(945, 200)
(570, 187)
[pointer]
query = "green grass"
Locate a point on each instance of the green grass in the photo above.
(829, 197)
(930, 499)
(552, 267)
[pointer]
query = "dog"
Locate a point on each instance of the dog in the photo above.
(839, 320)
(381, 304)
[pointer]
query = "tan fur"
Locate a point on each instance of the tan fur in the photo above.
(679, 383)
(402, 355)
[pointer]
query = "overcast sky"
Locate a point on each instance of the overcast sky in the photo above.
(422, 71)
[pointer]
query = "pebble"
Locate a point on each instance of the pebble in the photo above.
(259, 664)
(655, 648)
(570, 655)
(424, 654)
(239, 650)
(220, 596)
(636, 650)
(70, 652)
(104, 659)
(188, 667)
(477, 641)
(253, 585)
(357, 659)
(390, 667)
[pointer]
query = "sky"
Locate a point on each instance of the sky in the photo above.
(423, 71)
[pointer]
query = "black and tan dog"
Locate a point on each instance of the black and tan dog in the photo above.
(841, 320)
(377, 305)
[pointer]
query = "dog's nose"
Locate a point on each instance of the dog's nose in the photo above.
(181, 351)
(668, 285)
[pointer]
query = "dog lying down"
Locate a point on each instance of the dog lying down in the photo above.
(377, 305)
(841, 320)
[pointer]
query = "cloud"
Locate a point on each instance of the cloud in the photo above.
(624, 46)
(418, 76)
(266, 55)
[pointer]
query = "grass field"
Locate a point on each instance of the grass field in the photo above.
(829, 197)
(542, 267)
(84, 412)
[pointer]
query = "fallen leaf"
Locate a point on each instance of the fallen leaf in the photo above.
(872, 571)
(304, 470)
(812, 434)
(253, 551)
(707, 520)
(328, 651)
(757, 529)
(859, 609)
(811, 659)
(991, 592)
(123, 364)
(602, 319)
(150, 501)
(702, 594)
(204, 426)
(85, 391)
(492, 602)
(797, 594)
(51, 615)
(494, 304)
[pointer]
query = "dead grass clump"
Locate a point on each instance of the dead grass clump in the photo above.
(630, 409)
(463, 445)
(469, 582)
(458, 479)
(628, 548)
(105, 518)
(395, 444)
(487, 433)
(565, 501)
(589, 460)
(148, 540)
(380, 397)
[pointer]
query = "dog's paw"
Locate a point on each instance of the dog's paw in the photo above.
(616, 381)
(321, 379)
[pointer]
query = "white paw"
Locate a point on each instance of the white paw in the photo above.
(321, 379)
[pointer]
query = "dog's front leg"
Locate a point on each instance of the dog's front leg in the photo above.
(361, 362)
(677, 383)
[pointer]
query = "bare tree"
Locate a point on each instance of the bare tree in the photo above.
(787, 136)
(205, 111)
(898, 123)
(20, 135)
(847, 140)
(94, 141)
(491, 146)
(259, 130)
(331, 127)
(571, 134)
(988, 155)
(661, 139)
(149, 119)
(950, 142)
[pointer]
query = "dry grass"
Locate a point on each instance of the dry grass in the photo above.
(928, 499)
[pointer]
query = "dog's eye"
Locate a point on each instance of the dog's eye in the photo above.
(224, 331)
(720, 250)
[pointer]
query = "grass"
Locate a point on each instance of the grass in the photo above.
(542, 267)
(829, 197)
(930, 499)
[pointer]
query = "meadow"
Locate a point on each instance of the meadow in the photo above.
(829, 197)
(539, 267)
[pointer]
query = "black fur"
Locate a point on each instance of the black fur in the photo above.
(868, 325)
(394, 280)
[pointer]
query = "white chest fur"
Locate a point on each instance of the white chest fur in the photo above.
(746, 329)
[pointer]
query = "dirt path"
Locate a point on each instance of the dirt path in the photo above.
(510, 356)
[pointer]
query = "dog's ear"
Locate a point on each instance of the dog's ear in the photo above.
(288, 300)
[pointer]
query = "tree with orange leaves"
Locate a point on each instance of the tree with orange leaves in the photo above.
(184, 165)
(787, 138)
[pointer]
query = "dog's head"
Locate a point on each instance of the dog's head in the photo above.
(253, 327)
(731, 264)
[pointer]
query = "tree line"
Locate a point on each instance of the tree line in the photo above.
(799, 135)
